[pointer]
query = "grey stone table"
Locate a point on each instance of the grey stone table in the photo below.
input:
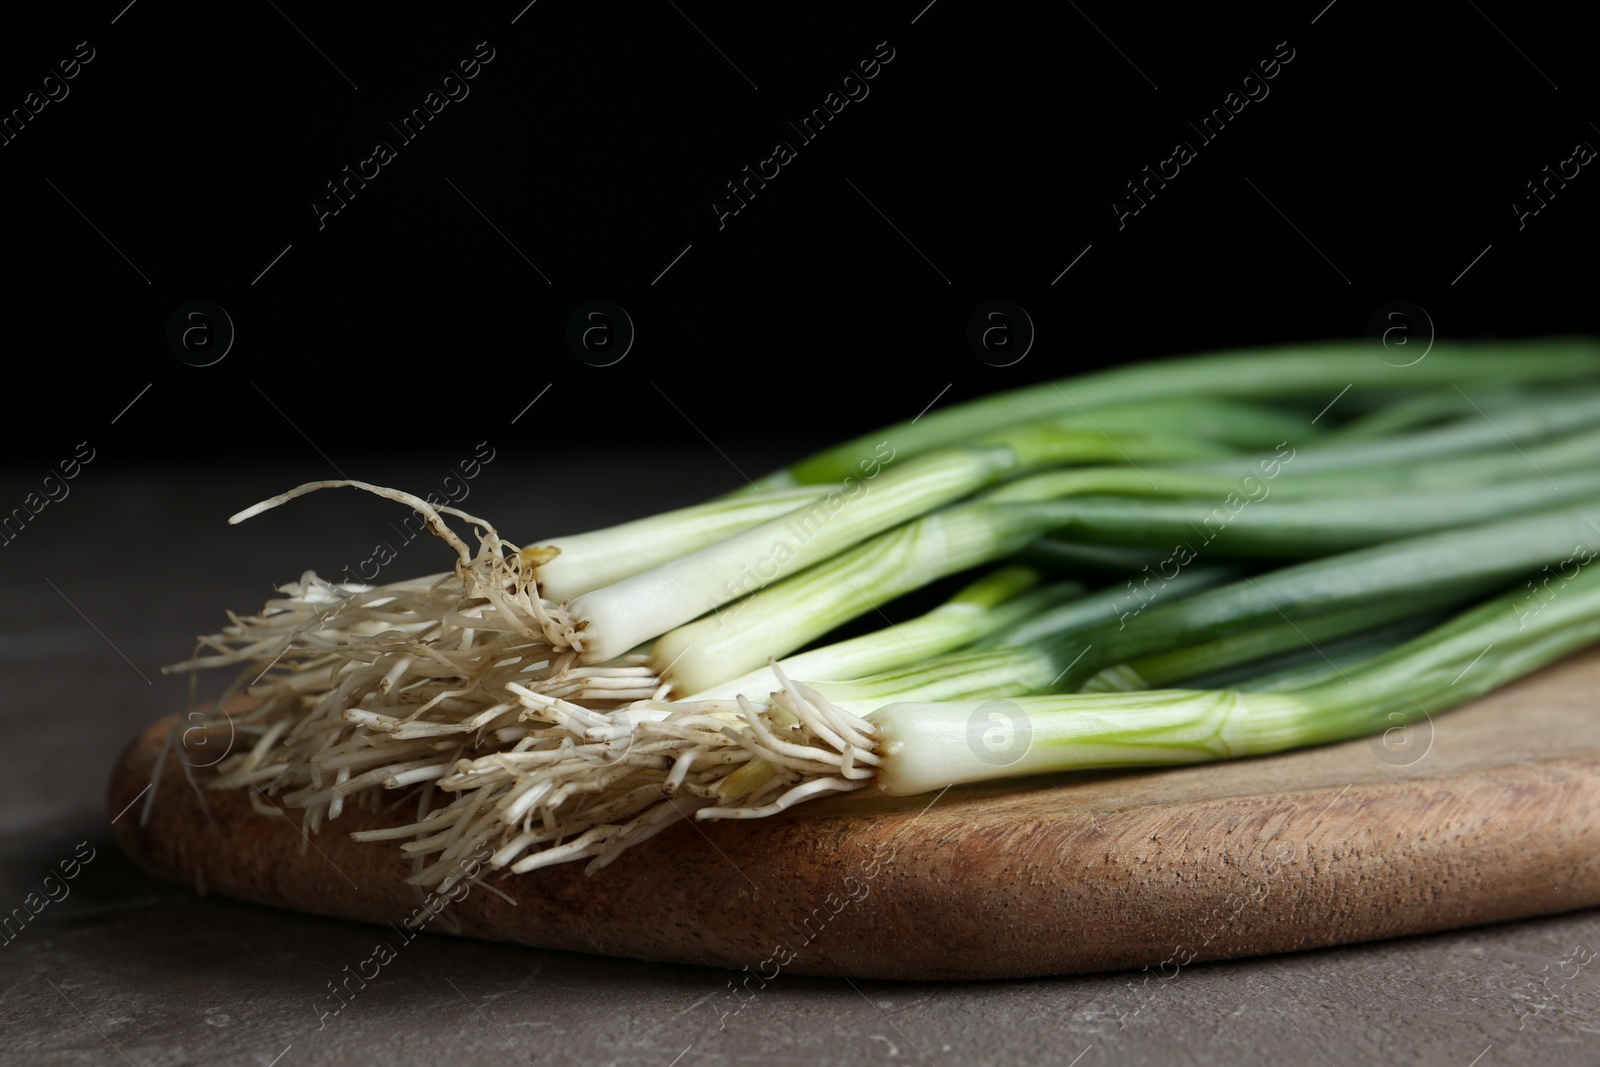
(103, 587)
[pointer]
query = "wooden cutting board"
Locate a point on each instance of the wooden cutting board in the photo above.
(1487, 813)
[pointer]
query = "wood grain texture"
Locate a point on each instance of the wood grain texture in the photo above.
(1490, 812)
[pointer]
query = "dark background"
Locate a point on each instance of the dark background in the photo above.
(592, 145)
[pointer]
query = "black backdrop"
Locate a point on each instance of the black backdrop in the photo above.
(582, 161)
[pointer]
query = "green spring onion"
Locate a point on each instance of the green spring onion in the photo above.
(574, 697)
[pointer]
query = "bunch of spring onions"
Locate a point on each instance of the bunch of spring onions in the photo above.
(1174, 562)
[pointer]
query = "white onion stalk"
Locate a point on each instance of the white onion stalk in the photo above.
(634, 610)
(995, 602)
(628, 613)
(788, 614)
(588, 561)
